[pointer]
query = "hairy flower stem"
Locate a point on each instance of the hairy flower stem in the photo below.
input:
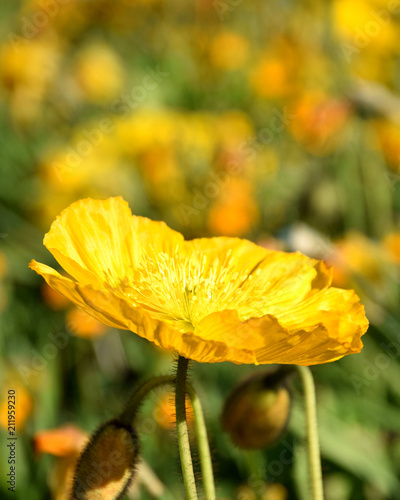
(181, 425)
(202, 440)
(314, 457)
(200, 427)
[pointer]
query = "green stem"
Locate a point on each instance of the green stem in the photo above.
(312, 432)
(181, 425)
(200, 427)
(256, 469)
(202, 440)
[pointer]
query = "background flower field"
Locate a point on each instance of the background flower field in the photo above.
(273, 121)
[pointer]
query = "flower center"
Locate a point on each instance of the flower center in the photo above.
(182, 289)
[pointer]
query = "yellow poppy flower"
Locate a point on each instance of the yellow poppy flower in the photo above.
(210, 300)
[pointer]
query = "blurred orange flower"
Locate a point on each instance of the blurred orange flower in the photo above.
(271, 78)
(66, 443)
(83, 325)
(318, 121)
(275, 74)
(210, 300)
(236, 211)
(54, 299)
(165, 413)
(98, 73)
(60, 442)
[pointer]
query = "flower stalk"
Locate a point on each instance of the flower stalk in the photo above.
(202, 441)
(181, 425)
(142, 392)
(314, 457)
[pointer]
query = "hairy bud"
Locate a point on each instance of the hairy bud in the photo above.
(256, 413)
(107, 464)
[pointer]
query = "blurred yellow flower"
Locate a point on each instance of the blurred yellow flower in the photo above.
(98, 73)
(266, 491)
(145, 128)
(91, 154)
(275, 491)
(27, 72)
(356, 255)
(232, 128)
(392, 245)
(210, 300)
(23, 400)
(228, 50)
(365, 26)
(388, 135)
(368, 36)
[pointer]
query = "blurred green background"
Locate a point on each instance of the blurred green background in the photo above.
(277, 121)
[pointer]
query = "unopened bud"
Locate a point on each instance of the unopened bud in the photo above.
(256, 413)
(107, 464)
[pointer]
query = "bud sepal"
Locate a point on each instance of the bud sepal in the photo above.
(108, 463)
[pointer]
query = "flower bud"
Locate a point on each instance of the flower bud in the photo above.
(256, 413)
(107, 464)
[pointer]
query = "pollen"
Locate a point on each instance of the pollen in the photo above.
(183, 289)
